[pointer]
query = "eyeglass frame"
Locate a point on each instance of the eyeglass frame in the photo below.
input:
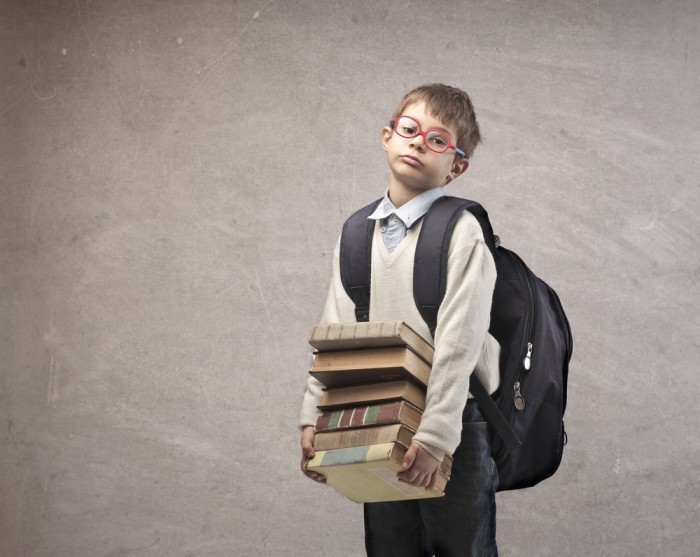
(424, 134)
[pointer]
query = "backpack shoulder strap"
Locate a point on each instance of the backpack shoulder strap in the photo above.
(356, 258)
(432, 249)
(430, 282)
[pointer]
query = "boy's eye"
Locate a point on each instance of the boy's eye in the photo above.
(437, 139)
(409, 130)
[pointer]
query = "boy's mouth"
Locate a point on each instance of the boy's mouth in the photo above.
(411, 160)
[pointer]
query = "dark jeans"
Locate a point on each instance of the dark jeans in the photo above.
(462, 523)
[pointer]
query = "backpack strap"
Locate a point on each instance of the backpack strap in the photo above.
(432, 252)
(356, 258)
(430, 283)
(492, 414)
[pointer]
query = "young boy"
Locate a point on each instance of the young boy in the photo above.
(428, 142)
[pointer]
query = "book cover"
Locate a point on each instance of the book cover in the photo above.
(345, 336)
(372, 393)
(393, 433)
(368, 474)
(344, 438)
(366, 415)
(351, 367)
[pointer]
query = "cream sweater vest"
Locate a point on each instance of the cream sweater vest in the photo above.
(462, 342)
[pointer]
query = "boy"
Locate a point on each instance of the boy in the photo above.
(428, 142)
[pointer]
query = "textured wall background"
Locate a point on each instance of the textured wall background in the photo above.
(173, 179)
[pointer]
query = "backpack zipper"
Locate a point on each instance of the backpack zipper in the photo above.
(518, 399)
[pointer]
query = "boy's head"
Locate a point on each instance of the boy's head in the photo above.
(429, 140)
(450, 105)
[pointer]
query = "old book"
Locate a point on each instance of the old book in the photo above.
(394, 433)
(366, 415)
(368, 474)
(345, 336)
(352, 367)
(373, 393)
(341, 439)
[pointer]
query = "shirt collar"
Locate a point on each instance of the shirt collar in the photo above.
(409, 212)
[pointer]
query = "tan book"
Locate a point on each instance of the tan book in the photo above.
(352, 367)
(341, 439)
(346, 336)
(373, 393)
(395, 433)
(368, 474)
(397, 411)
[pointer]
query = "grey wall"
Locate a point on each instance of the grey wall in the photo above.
(173, 180)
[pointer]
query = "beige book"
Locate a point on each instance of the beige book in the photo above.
(352, 367)
(395, 433)
(368, 474)
(346, 336)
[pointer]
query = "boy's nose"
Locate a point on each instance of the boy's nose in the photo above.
(418, 142)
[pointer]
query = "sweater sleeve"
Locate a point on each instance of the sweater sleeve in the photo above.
(339, 308)
(461, 333)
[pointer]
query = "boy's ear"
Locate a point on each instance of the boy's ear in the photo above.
(458, 168)
(386, 136)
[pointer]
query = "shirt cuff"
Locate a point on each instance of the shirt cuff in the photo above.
(432, 451)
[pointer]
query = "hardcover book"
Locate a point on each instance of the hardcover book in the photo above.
(368, 474)
(344, 438)
(345, 336)
(352, 367)
(398, 411)
(356, 395)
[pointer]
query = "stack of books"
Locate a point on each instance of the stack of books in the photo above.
(375, 376)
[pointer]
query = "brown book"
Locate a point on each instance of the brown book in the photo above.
(344, 438)
(373, 393)
(346, 336)
(365, 365)
(398, 411)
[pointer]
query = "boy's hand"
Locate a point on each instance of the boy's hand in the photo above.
(420, 468)
(307, 453)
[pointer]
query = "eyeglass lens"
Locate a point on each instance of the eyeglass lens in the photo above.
(435, 140)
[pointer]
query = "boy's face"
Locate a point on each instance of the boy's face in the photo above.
(414, 167)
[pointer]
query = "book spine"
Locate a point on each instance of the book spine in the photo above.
(377, 393)
(351, 455)
(352, 331)
(359, 416)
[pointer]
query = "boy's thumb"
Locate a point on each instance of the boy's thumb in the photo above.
(409, 457)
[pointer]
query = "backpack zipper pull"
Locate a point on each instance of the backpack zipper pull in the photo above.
(519, 400)
(526, 360)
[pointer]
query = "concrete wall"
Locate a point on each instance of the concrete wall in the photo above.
(173, 178)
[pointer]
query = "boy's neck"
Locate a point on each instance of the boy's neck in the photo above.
(400, 195)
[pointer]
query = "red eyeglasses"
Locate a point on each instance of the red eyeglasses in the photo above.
(435, 140)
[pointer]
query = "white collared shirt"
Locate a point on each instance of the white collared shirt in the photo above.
(395, 222)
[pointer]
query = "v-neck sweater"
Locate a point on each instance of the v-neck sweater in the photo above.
(462, 342)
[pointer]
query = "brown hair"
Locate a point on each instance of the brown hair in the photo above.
(451, 105)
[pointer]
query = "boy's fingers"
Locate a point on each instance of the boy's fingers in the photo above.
(415, 479)
(410, 457)
(315, 477)
(320, 478)
(307, 442)
(309, 474)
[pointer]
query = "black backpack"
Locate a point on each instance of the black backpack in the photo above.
(527, 319)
